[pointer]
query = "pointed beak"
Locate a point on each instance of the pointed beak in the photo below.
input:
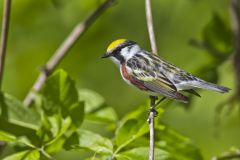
(106, 55)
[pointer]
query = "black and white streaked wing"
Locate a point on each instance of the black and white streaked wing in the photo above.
(185, 81)
(143, 70)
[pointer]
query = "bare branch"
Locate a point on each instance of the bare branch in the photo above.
(150, 26)
(152, 39)
(4, 36)
(63, 49)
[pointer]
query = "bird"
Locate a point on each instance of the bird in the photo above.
(153, 75)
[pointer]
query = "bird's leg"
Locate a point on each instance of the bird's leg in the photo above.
(152, 112)
(162, 99)
(153, 106)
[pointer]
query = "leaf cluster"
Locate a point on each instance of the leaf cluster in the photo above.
(55, 123)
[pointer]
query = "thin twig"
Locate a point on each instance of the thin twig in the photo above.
(4, 36)
(63, 49)
(235, 19)
(152, 38)
(235, 15)
(3, 46)
(228, 156)
(150, 26)
(151, 126)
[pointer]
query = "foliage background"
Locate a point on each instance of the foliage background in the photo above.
(38, 27)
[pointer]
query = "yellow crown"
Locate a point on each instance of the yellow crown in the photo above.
(115, 43)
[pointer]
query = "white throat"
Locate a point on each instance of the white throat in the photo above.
(115, 61)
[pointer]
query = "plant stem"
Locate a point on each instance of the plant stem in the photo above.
(63, 49)
(152, 39)
(150, 27)
(122, 146)
(4, 36)
(3, 47)
(151, 126)
(235, 19)
(235, 15)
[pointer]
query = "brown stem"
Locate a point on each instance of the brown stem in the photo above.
(63, 49)
(235, 19)
(235, 15)
(4, 36)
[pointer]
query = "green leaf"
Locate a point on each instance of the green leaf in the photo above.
(22, 140)
(63, 113)
(56, 145)
(96, 157)
(59, 92)
(4, 136)
(217, 35)
(177, 145)
(77, 113)
(16, 119)
(92, 100)
(105, 115)
(131, 130)
(13, 111)
(133, 126)
(142, 153)
(24, 155)
(54, 131)
(166, 139)
(89, 141)
(64, 125)
(18, 131)
(96, 110)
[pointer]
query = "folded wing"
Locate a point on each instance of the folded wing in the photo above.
(153, 79)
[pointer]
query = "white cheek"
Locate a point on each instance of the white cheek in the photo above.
(115, 61)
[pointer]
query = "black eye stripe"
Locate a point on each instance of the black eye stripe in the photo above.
(120, 47)
(120, 58)
(116, 52)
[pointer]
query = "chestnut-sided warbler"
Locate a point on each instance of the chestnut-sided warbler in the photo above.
(151, 74)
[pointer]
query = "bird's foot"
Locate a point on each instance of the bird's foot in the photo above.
(154, 111)
(155, 114)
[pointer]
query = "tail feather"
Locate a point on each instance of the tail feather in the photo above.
(192, 92)
(180, 97)
(211, 86)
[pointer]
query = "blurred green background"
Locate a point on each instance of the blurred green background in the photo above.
(38, 27)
